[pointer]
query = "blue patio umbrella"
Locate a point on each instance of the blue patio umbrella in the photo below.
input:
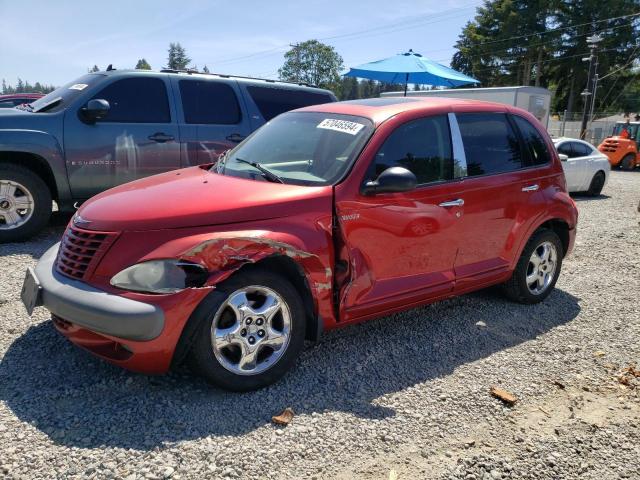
(410, 67)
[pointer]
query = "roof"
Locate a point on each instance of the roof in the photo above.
(207, 76)
(381, 109)
(9, 96)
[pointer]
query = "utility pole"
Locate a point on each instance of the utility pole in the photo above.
(296, 46)
(589, 91)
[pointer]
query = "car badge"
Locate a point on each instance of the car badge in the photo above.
(78, 221)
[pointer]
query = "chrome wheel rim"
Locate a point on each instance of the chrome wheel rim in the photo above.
(16, 205)
(251, 330)
(542, 268)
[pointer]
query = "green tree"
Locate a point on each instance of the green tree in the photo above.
(94, 69)
(542, 43)
(205, 69)
(312, 62)
(143, 65)
(177, 59)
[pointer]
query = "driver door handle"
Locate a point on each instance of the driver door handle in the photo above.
(531, 188)
(235, 137)
(161, 137)
(452, 203)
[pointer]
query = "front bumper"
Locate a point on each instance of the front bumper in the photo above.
(94, 309)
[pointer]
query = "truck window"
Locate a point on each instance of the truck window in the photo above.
(490, 144)
(209, 102)
(535, 145)
(272, 101)
(422, 146)
(136, 100)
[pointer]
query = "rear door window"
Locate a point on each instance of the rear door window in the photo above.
(136, 100)
(490, 143)
(209, 102)
(272, 101)
(535, 144)
(422, 146)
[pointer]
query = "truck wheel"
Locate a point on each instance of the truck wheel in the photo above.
(252, 333)
(597, 182)
(628, 162)
(25, 203)
(537, 270)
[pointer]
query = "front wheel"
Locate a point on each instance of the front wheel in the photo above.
(537, 270)
(252, 334)
(25, 203)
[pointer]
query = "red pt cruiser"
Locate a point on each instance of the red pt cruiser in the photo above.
(326, 216)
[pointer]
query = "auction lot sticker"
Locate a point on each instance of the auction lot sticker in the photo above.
(78, 86)
(343, 126)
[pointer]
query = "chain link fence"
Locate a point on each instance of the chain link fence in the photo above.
(568, 124)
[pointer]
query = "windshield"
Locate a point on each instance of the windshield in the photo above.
(632, 129)
(302, 148)
(67, 93)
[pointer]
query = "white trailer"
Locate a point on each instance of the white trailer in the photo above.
(535, 100)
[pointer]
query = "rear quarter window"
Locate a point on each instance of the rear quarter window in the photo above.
(534, 143)
(272, 101)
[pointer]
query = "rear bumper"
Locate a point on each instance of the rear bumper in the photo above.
(94, 309)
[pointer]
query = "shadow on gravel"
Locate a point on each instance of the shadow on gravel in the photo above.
(585, 197)
(41, 242)
(80, 401)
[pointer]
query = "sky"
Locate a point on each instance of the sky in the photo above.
(54, 41)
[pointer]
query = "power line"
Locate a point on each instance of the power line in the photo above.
(392, 25)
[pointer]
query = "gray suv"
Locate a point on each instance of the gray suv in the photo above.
(108, 128)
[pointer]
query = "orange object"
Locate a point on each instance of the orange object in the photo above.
(622, 146)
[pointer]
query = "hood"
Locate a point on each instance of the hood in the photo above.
(195, 197)
(13, 118)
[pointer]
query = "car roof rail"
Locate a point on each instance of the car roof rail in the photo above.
(224, 75)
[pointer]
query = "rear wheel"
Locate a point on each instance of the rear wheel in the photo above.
(628, 162)
(253, 332)
(597, 182)
(25, 203)
(537, 270)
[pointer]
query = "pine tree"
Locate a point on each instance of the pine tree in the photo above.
(143, 65)
(205, 69)
(177, 59)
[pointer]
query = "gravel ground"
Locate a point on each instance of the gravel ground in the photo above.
(405, 396)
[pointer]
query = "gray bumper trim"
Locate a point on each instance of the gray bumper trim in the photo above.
(94, 309)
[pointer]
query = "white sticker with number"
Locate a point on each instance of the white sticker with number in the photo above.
(78, 86)
(343, 126)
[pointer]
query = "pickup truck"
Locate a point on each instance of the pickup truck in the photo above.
(107, 128)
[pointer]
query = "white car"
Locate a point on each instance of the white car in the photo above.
(585, 168)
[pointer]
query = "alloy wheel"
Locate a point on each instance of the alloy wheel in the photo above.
(16, 205)
(251, 330)
(542, 268)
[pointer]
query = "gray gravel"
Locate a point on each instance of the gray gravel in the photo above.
(407, 393)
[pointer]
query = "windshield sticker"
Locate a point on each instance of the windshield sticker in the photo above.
(343, 126)
(78, 86)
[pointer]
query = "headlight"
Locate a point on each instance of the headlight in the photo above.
(161, 276)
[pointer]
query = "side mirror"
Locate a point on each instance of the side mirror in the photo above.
(95, 110)
(392, 180)
(563, 157)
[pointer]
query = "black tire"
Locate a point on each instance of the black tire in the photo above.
(597, 183)
(516, 287)
(202, 358)
(628, 162)
(41, 202)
